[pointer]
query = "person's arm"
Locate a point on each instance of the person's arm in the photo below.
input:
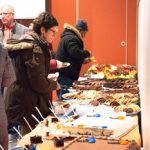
(9, 73)
(56, 64)
(89, 59)
(53, 64)
(36, 72)
(75, 51)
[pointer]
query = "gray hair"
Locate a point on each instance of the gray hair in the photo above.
(8, 7)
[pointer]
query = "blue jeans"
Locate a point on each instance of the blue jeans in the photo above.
(11, 130)
(65, 83)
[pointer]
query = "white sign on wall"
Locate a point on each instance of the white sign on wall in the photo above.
(26, 9)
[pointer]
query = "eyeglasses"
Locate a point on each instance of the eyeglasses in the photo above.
(5, 13)
(54, 32)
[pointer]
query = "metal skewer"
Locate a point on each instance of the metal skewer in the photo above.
(39, 113)
(35, 118)
(20, 136)
(27, 123)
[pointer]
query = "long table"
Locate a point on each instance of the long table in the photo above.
(100, 143)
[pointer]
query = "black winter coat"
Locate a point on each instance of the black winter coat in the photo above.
(31, 89)
(71, 50)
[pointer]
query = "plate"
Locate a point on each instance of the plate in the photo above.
(132, 114)
(97, 76)
(66, 64)
(69, 95)
(72, 90)
(82, 78)
(69, 100)
(111, 89)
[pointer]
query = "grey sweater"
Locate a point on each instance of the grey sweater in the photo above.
(17, 31)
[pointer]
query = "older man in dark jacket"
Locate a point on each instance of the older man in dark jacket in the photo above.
(71, 49)
(10, 30)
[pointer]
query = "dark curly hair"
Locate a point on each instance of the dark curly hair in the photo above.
(44, 20)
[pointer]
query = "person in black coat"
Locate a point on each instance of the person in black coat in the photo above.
(71, 49)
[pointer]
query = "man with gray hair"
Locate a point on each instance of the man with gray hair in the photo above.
(10, 28)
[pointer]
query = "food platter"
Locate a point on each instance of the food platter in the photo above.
(70, 95)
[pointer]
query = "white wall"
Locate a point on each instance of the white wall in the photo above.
(26, 9)
(144, 67)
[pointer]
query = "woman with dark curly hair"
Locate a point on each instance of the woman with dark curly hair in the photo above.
(30, 56)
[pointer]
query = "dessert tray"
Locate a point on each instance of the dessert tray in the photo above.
(71, 95)
(110, 71)
(105, 123)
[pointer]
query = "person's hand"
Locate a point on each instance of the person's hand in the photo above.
(92, 59)
(86, 60)
(89, 59)
(53, 76)
(59, 64)
(62, 64)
